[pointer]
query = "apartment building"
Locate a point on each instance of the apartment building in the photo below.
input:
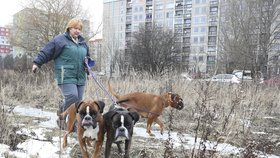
(195, 21)
(5, 46)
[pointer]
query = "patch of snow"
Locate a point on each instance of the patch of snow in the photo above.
(50, 149)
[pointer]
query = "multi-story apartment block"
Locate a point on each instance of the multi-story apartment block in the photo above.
(5, 46)
(195, 22)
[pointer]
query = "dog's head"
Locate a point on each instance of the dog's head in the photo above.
(90, 113)
(121, 121)
(176, 101)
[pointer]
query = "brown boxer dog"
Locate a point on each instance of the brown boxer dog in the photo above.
(88, 114)
(149, 106)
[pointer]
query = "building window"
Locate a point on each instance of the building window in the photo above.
(159, 6)
(203, 10)
(202, 39)
(178, 21)
(201, 49)
(214, 9)
(211, 49)
(136, 9)
(203, 19)
(211, 58)
(195, 40)
(202, 29)
(200, 58)
(194, 58)
(196, 20)
(196, 10)
(185, 58)
(188, 1)
(148, 16)
(159, 15)
(170, 6)
(169, 14)
(195, 29)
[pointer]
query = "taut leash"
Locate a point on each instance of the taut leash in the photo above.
(115, 102)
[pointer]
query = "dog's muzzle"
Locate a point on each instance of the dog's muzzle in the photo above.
(88, 121)
(180, 105)
(121, 134)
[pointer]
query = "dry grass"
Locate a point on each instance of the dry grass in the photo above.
(245, 115)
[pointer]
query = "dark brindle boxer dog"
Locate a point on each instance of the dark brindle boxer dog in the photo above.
(118, 124)
(150, 106)
(90, 122)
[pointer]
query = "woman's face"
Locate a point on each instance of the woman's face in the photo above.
(75, 32)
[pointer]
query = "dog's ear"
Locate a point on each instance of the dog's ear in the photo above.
(135, 116)
(173, 96)
(78, 104)
(108, 116)
(101, 105)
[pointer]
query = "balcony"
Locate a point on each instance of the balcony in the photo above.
(213, 13)
(149, 2)
(214, 3)
(188, 25)
(213, 23)
(128, 30)
(210, 43)
(129, 5)
(211, 53)
(187, 34)
(186, 44)
(187, 15)
(179, 1)
(212, 33)
(128, 20)
(149, 10)
(179, 6)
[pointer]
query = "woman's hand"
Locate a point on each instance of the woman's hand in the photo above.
(34, 68)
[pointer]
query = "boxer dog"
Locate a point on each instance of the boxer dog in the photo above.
(149, 106)
(118, 126)
(88, 114)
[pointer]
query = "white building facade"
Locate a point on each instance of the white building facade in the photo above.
(195, 21)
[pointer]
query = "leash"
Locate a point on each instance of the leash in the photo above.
(115, 102)
(95, 79)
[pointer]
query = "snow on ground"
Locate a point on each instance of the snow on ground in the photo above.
(38, 145)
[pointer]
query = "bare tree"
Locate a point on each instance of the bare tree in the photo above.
(41, 20)
(248, 34)
(153, 50)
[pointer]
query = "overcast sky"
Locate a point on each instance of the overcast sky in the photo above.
(10, 7)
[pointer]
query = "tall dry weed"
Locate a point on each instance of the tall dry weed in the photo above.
(220, 113)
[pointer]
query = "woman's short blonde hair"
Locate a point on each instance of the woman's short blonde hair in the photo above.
(74, 23)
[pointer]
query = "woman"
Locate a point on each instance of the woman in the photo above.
(68, 51)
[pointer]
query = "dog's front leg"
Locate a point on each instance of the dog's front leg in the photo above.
(127, 147)
(108, 146)
(161, 125)
(149, 126)
(99, 142)
(82, 143)
(65, 139)
(83, 148)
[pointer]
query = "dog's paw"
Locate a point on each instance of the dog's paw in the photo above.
(152, 135)
(64, 145)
